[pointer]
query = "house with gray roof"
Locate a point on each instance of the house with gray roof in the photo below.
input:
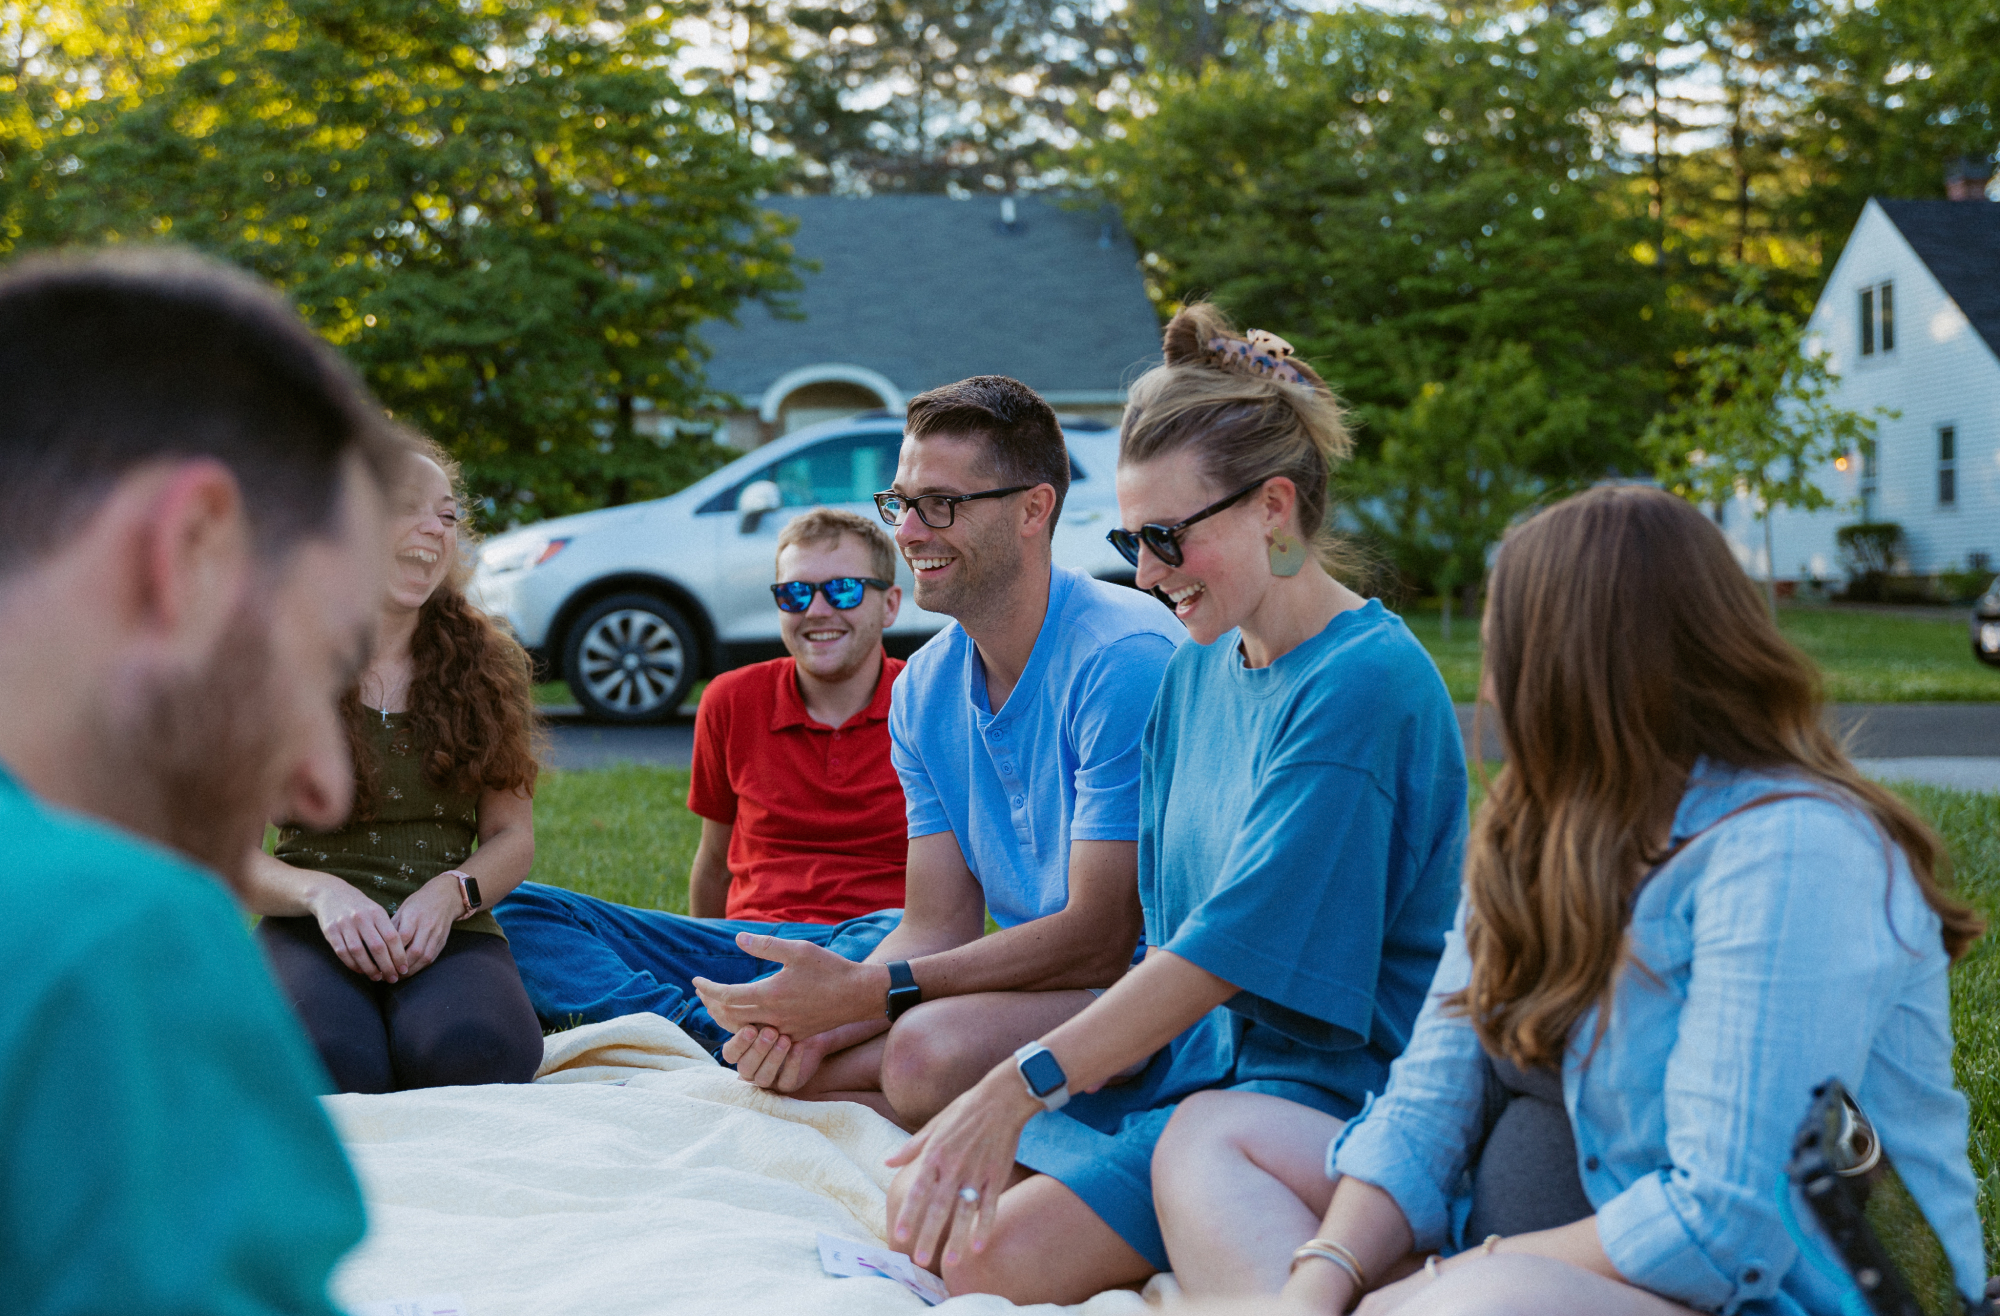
(1910, 322)
(915, 291)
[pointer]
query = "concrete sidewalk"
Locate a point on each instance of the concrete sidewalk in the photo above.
(1965, 774)
(1872, 731)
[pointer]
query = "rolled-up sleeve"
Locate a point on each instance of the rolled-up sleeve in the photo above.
(1793, 968)
(1413, 1141)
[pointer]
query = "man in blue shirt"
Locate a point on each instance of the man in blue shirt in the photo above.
(191, 563)
(1016, 734)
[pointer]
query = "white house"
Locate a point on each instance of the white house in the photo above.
(1910, 319)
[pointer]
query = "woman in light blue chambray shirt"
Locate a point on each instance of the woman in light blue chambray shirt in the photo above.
(1791, 934)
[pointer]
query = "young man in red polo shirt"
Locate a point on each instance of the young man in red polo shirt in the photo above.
(803, 829)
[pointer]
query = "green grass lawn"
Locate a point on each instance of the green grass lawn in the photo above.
(1868, 657)
(625, 834)
(1871, 657)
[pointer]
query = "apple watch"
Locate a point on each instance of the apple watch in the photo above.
(903, 989)
(468, 892)
(1043, 1074)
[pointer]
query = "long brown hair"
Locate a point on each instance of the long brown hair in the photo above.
(472, 707)
(1623, 641)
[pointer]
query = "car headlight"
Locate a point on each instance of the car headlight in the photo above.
(502, 558)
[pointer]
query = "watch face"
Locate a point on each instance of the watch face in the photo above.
(1043, 1073)
(472, 891)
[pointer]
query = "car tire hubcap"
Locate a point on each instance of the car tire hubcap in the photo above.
(631, 660)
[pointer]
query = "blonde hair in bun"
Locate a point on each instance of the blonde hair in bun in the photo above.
(1247, 407)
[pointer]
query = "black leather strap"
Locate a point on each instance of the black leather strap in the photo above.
(903, 989)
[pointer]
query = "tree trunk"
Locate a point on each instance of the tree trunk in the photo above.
(1770, 565)
(1739, 157)
(1444, 628)
(1657, 165)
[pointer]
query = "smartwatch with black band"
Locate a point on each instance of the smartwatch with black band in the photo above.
(903, 989)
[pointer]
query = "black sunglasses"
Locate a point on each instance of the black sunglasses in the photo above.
(937, 511)
(1165, 540)
(843, 592)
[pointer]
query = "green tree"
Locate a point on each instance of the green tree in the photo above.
(1759, 422)
(511, 217)
(1902, 89)
(1409, 200)
(1455, 468)
(60, 61)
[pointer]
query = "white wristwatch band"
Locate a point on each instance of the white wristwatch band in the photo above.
(1051, 1098)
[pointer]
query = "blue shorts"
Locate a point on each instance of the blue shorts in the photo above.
(1100, 1145)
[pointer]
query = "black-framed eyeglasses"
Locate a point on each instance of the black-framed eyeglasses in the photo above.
(1165, 540)
(937, 511)
(843, 592)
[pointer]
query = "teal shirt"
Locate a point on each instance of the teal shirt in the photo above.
(162, 1147)
(1301, 828)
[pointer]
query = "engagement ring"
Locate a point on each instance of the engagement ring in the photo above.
(969, 1195)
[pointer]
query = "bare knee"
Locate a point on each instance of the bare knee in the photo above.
(1206, 1128)
(996, 1269)
(1516, 1285)
(926, 1059)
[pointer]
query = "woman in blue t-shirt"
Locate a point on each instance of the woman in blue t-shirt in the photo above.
(1302, 817)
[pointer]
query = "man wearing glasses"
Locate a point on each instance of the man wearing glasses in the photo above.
(1016, 735)
(802, 830)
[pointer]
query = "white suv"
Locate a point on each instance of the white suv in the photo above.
(632, 605)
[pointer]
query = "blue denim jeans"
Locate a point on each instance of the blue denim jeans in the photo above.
(584, 960)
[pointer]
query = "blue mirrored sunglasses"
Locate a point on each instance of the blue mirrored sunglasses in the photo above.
(843, 592)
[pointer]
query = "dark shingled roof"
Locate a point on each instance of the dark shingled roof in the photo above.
(927, 290)
(1959, 241)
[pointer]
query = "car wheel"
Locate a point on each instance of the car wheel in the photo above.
(630, 658)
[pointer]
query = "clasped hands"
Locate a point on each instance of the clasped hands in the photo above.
(380, 947)
(786, 1024)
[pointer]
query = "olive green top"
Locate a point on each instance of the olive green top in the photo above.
(418, 831)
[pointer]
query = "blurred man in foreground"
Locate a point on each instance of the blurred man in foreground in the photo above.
(190, 520)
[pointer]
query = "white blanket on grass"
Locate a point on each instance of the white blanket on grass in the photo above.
(635, 1175)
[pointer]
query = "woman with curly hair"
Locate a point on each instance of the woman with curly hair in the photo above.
(381, 931)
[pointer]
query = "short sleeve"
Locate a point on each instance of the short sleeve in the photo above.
(167, 1152)
(710, 794)
(1107, 726)
(921, 803)
(1297, 917)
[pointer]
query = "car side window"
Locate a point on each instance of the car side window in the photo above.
(852, 469)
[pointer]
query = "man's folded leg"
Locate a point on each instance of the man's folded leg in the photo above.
(584, 960)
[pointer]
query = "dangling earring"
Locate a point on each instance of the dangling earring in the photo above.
(1288, 555)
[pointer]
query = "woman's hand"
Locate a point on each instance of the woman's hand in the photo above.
(969, 1144)
(360, 931)
(425, 920)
